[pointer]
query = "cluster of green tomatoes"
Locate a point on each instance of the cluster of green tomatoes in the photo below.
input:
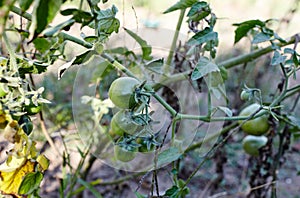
(129, 127)
(255, 128)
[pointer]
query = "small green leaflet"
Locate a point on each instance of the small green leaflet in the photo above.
(204, 67)
(168, 156)
(30, 183)
(261, 37)
(226, 110)
(277, 58)
(203, 36)
(53, 31)
(244, 27)
(155, 65)
(182, 4)
(81, 58)
(198, 11)
(146, 49)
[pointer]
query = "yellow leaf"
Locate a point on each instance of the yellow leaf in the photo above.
(43, 162)
(10, 181)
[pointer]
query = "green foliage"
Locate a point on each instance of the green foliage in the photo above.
(44, 13)
(182, 4)
(147, 49)
(204, 67)
(31, 183)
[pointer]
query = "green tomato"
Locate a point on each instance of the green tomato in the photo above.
(121, 92)
(124, 153)
(252, 144)
(122, 123)
(26, 124)
(257, 126)
(32, 109)
(245, 95)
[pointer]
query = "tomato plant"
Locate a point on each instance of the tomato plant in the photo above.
(152, 89)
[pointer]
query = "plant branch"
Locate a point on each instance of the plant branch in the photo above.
(253, 55)
(173, 45)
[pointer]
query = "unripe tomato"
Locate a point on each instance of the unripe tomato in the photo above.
(125, 153)
(257, 126)
(26, 124)
(122, 123)
(121, 92)
(245, 95)
(252, 144)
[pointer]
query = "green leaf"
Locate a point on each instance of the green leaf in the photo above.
(244, 27)
(182, 4)
(226, 110)
(107, 22)
(81, 58)
(30, 183)
(146, 49)
(42, 44)
(168, 156)
(277, 58)
(90, 188)
(53, 31)
(171, 192)
(261, 37)
(204, 67)
(25, 4)
(203, 36)
(155, 65)
(198, 11)
(44, 13)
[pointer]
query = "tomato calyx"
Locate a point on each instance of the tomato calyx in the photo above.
(147, 143)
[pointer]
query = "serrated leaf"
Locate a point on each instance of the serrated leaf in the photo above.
(155, 65)
(146, 49)
(261, 37)
(182, 4)
(168, 156)
(226, 110)
(204, 67)
(81, 58)
(203, 36)
(107, 22)
(277, 58)
(30, 183)
(44, 13)
(25, 4)
(244, 27)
